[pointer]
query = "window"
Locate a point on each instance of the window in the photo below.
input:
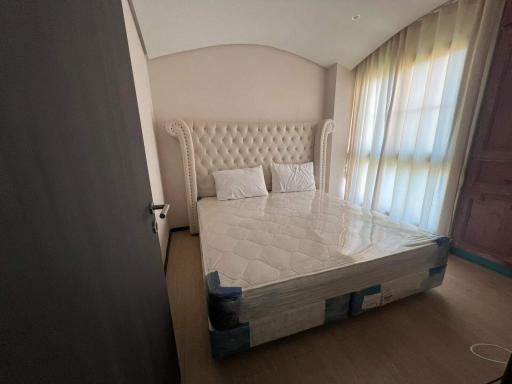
(401, 146)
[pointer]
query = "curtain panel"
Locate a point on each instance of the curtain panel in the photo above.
(415, 105)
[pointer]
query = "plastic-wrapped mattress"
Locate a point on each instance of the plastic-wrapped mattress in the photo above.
(297, 260)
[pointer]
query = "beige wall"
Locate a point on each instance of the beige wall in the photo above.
(143, 90)
(339, 90)
(233, 82)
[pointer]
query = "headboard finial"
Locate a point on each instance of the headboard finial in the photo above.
(210, 146)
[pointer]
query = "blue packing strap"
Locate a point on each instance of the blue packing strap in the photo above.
(437, 270)
(336, 308)
(214, 287)
(357, 298)
(443, 241)
(231, 341)
(223, 303)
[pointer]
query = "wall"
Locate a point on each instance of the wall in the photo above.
(145, 104)
(339, 92)
(233, 82)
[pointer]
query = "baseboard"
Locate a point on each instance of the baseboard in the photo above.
(482, 261)
(168, 248)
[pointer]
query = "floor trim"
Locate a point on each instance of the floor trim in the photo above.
(168, 248)
(500, 268)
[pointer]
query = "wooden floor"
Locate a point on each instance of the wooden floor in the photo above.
(422, 339)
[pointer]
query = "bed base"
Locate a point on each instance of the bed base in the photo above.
(242, 337)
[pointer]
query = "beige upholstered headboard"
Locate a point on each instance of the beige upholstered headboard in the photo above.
(208, 146)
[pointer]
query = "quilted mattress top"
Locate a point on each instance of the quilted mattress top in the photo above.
(264, 240)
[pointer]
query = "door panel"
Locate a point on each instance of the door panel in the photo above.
(82, 289)
(487, 224)
(507, 16)
(499, 136)
(493, 172)
(483, 223)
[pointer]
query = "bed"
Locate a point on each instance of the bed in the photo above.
(283, 263)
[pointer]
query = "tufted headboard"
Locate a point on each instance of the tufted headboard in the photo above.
(208, 146)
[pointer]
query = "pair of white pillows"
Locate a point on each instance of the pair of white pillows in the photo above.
(249, 182)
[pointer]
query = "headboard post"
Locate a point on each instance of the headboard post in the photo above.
(180, 130)
(309, 144)
(324, 129)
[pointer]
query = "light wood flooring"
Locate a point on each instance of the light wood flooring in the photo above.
(421, 339)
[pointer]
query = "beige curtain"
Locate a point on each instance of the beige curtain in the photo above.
(415, 107)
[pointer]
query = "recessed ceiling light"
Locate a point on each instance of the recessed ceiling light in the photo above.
(355, 17)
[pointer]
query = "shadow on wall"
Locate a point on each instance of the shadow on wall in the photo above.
(228, 83)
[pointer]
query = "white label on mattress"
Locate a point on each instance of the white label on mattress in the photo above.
(403, 286)
(371, 301)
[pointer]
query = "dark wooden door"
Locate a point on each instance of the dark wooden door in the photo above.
(483, 223)
(82, 289)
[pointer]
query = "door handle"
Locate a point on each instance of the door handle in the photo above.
(163, 208)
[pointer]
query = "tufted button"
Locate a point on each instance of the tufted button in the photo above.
(232, 145)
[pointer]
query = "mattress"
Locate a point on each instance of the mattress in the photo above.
(283, 252)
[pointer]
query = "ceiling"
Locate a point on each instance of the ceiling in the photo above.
(319, 30)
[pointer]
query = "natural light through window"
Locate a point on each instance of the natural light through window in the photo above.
(402, 156)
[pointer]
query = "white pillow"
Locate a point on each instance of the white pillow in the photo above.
(240, 183)
(293, 177)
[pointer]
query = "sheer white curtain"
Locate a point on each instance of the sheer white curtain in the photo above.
(414, 107)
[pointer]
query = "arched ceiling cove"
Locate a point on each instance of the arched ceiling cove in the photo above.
(319, 30)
